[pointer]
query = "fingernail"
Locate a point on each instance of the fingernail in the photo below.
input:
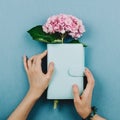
(74, 85)
(52, 63)
(45, 50)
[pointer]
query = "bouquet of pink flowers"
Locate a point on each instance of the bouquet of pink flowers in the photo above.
(57, 28)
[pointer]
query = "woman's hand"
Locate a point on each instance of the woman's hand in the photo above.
(83, 103)
(38, 81)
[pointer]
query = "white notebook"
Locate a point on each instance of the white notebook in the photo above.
(69, 69)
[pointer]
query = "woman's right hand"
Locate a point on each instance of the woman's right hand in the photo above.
(83, 103)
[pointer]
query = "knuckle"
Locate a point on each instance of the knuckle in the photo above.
(32, 71)
(76, 101)
(28, 72)
(35, 69)
(48, 77)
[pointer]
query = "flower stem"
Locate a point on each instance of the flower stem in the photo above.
(62, 40)
(62, 37)
(55, 104)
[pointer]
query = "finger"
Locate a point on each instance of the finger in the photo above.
(39, 60)
(90, 78)
(29, 64)
(41, 56)
(50, 70)
(76, 93)
(33, 60)
(25, 63)
(90, 82)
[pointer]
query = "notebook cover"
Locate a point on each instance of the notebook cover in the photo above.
(69, 68)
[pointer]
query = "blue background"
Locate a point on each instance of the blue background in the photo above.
(102, 21)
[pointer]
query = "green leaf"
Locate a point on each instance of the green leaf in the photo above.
(78, 42)
(38, 34)
(75, 41)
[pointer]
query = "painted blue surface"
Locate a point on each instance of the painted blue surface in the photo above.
(102, 21)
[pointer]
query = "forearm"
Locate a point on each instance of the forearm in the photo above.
(24, 108)
(97, 117)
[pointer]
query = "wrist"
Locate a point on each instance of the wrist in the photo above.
(85, 113)
(34, 95)
(92, 114)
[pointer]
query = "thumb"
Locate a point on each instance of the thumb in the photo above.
(50, 70)
(76, 93)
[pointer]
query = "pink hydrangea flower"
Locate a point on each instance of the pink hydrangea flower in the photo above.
(63, 23)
